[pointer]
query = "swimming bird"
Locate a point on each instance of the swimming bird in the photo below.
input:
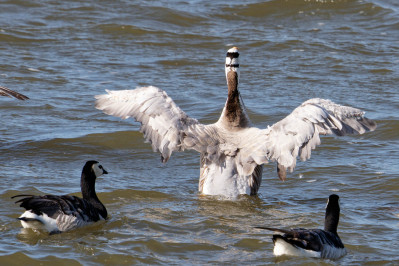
(10, 93)
(315, 243)
(232, 150)
(57, 214)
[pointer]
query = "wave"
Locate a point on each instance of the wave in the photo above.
(96, 143)
(22, 37)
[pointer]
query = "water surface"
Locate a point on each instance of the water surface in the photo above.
(61, 54)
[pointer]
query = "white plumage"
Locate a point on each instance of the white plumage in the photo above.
(232, 151)
(283, 248)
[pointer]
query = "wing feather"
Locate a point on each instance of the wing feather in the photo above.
(7, 92)
(162, 121)
(299, 133)
(169, 129)
(54, 206)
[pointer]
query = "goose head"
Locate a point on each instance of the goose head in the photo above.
(98, 169)
(232, 65)
(91, 170)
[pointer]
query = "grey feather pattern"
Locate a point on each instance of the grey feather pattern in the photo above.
(169, 129)
(69, 211)
(162, 121)
(299, 133)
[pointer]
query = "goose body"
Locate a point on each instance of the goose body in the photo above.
(232, 151)
(316, 243)
(63, 213)
(10, 93)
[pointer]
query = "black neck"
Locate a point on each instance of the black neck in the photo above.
(88, 187)
(332, 217)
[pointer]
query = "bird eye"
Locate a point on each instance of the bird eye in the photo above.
(100, 166)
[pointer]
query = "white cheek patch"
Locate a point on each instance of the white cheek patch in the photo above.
(97, 170)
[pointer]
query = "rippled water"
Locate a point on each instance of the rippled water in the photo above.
(61, 54)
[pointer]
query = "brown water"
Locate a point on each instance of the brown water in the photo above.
(61, 54)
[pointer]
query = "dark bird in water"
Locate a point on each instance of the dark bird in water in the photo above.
(315, 243)
(57, 214)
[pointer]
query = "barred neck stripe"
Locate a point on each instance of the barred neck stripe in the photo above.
(232, 55)
(233, 65)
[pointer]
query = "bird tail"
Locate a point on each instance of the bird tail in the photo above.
(22, 195)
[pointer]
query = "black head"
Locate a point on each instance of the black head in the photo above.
(94, 168)
(333, 198)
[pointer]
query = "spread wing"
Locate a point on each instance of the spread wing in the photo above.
(163, 123)
(7, 92)
(299, 133)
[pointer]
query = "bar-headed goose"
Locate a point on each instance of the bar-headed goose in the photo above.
(10, 93)
(232, 151)
(316, 243)
(56, 214)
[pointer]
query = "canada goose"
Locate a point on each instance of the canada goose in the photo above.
(56, 214)
(10, 93)
(315, 243)
(232, 150)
